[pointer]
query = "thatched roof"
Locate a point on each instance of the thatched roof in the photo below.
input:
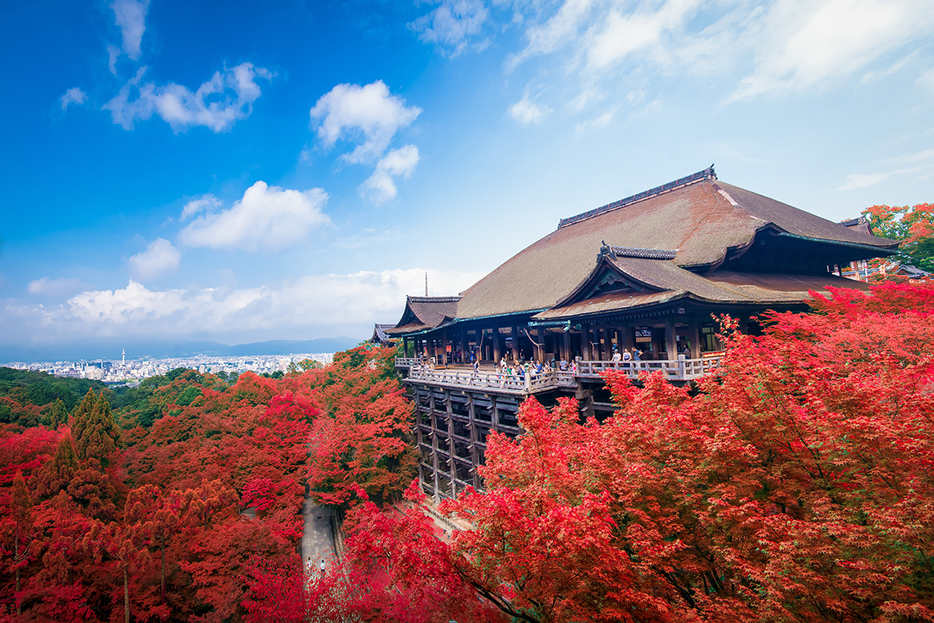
(699, 218)
(424, 312)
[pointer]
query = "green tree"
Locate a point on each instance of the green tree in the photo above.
(58, 414)
(95, 431)
(913, 226)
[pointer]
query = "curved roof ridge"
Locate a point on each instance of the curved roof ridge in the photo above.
(706, 174)
(433, 299)
(645, 254)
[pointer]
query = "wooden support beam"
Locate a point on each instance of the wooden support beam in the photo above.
(694, 333)
(671, 345)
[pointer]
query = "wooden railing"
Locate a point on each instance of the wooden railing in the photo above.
(675, 370)
(517, 383)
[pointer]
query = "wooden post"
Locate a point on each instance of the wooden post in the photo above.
(452, 462)
(496, 351)
(566, 345)
(474, 450)
(516, 352)
(585, 342)
(694, 331)
(670, 344)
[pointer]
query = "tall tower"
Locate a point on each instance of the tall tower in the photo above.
(124, 356)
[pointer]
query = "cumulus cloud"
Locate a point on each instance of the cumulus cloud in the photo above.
(130, 17)
(46, 286)
(326, 304)
(195, 206)
(267, 217)
(160, 258)
(380, 187)
(369, 112)
(73, 96)
(524, 111)
(452, 25)
(217, 104)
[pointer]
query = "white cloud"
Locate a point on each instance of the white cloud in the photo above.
(380, 187)
(326, 304)
(217, 104)
(130, 16)
(526, 112)
(806, 44)
(73, 96)
(558, 31)
(349, 110)
(923, 162)
(776, 47)
(926, 80)
(195, 206)
(160, 258)
(620, 34)
(596, 123)
(452, 25)
(267, 217)
(46, 286)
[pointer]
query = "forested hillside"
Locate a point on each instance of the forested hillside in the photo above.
(795, 484)
(30, 398)
(162, 500)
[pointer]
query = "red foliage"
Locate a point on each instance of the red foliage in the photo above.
(362, 438)
(796, 484)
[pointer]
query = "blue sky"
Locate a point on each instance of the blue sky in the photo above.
(245, 171)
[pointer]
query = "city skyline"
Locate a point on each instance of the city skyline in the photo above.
(181, 172)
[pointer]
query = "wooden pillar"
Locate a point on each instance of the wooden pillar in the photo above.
(435, 463)
(474, 450)
(540, 338)
(516, 352)
(566, 345)
(452, 463)
(465, 357)
(694, 333)
(585, 342)
(670, 343)
(627, 341)
(496, 351)
(444, 347)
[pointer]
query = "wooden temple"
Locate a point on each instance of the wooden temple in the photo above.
(647, 273)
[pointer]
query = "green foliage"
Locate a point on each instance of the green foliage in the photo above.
(913, 226)
(29, 398)
(96, 434)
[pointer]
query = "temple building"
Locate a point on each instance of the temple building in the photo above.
(645, 274)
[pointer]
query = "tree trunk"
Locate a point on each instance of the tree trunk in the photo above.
(163, 570)
(19, 603)
(126, 595)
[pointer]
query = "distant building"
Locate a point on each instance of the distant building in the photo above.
(380, 336)
(645, 272)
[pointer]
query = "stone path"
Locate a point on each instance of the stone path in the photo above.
(317, 537)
